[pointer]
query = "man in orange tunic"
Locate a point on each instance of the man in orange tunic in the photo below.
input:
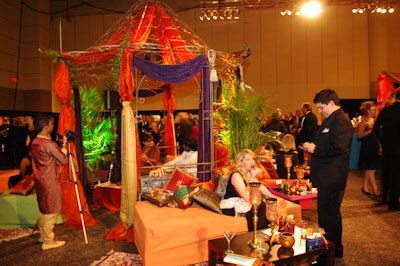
(46, 159)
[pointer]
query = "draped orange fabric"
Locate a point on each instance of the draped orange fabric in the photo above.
(170, 36)
(63, 91)
(125, 82)
(169, 106)
(71, 214)
(142, 27)
(120, 234)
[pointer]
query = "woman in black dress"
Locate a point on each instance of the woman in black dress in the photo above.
(244, 171)
(369, 151)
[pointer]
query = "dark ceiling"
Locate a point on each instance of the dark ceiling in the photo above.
(72, 8)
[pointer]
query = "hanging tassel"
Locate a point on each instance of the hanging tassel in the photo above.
(211, 59)
(213, 75)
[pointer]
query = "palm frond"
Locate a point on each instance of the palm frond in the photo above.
(241, 114)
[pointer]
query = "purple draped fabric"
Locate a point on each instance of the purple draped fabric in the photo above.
(205, 116)
(180, 73)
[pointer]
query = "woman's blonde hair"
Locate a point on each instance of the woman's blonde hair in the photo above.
(288, 142)
(239, 158)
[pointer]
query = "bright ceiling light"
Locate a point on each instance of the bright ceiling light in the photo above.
(311, 9)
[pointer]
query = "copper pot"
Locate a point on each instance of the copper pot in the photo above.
(286, 240)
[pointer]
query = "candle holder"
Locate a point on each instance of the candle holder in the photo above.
(300, 173)
(288, 165)
(272, 216)
(306, 158)
(255, 201)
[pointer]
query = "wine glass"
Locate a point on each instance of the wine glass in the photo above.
(288, 165)
(272, 215)
(229, 235)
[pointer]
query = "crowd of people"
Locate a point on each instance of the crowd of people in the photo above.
(153, 155)
(329, 145)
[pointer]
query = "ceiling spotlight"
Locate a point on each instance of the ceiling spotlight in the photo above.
(391, 9)
(236, 14)
(311, 9)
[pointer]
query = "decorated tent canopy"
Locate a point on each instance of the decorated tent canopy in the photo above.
(148, 48)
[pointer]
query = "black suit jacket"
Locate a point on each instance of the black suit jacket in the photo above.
(387, 128)
(330, 160)
(309, 128)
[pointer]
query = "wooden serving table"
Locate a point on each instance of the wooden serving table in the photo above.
(324, 255)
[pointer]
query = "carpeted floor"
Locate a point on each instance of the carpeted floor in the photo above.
(370, 237)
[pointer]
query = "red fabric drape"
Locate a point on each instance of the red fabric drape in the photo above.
(125, 82)
(120, 234)
(63, 91)
(168, 34)
(71, 214)
(169, 106)
(385, 88)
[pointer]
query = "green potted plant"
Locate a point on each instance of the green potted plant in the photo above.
(241, 113)
(98, 136)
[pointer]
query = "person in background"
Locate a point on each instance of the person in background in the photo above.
(46, 159)
(183, 129)
(330, 155)
(187, 160)
(288, 148)
(369, 159)
(307, 128)
(277, 123)
(387, 127)
(150, 153)
(195, 128)
(18, 134)
(266, 158)
(244, 171)
(295, 122)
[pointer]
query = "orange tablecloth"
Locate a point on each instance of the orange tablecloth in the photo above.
(4, 176)
(107, 196)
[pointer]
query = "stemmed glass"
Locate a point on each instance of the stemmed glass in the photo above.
(229, 235)
(300, 173)
(306, 158)
(288, 165)
(255, 201)
(272, 215)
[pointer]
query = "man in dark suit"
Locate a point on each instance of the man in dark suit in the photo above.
(387, 128)
(330, 165)
(307, 128)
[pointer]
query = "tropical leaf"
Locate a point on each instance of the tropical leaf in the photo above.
(97, 130)
(241, 114)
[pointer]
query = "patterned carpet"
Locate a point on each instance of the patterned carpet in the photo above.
(370, 237)
(16, 233)
(114, 258)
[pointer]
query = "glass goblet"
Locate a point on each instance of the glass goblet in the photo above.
(229, 235)
(300, 173)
